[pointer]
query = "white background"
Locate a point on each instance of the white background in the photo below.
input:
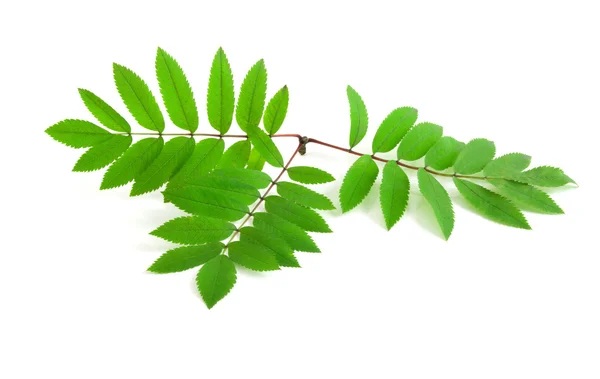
(493, 302)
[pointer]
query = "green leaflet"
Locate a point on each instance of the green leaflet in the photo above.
(255, 161)
(438, 198)
(215, 279)
(544, 176)
(194, 230)
(228, 187)
(303, 196)
(252, 256)
(527, 197)
(359, 119)
(204, 159)
(507, 165)
(305, 218)
(254, 178)
(220, 99)
(265, 146)
(419, 140)
(276, 111)
(393, 193)
(393, 129)
(358, 182)
(103, 112)
(475, 156)
(278, 248)
(174, 154)
(491, 205)
(132, 163)
(103, 154)
(252, 97)
(78, 133)
(444, 153)
(236, 155)
(206, 202)
(186, 257)
(137, 97)
(176, 92)
(293, 235)
(309, 175)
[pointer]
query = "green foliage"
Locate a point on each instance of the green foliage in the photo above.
(438, 198)
(252, 178)
(358, 182)
(207, 202)
(207, 154)
(103, 112)
(507, 165)
(226, 186)
(304, 196)
(294, 236)
(393, 129)
(276, 111)
(103, 154)
(359, 119)
(236, 155)
(544, 176)
(265, 146)
(393, 193)
(305, 218)
(309, 175)
(215, 279)
(444, 153)
(251, 102)
(194, 230)
(419, 140)
(527, 197)
(220, 99)
(78, 133)
(475, 156)
(283, 254)
(186, 257)
(255, 161)
(252, 256)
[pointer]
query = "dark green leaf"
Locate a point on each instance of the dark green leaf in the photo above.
(251, 102)
(220, 99)
(438, 198)
(236, 155)
(309, 175)
(393, 129)
(527, 197)
(78, 133)
(304, 196)
(393, 193)
(103, 154)
(475, 156)
(252, 256)
(305, 218)
(206, 155)
(444, 153)
(104, 112)
(265, 146)
(544, 176)
(419, 140)
(194, 230)
(278, 247)
(186, 257)
(255, 161)
(276, 111)
(359, 119)
(215, 279)
(254, 178)
(206, 202)
(507, 165)
(293, 235)
(358, 182)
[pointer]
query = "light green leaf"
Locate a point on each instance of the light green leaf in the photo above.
(228, 187)
(78, 133)
(544, 176)
(507, 165)
(358, 182)
(215, 279)
(176, 92)
(393, 193)
(251, 102)
(206, 202)
(438, 198)
(276, 111)
(186, 257)
(194, 230)
(393, 129)
(254, 178)
(475, 156)
(265, 146)
(104, 112)
(236, 155)
(252, 256)
(359, 119)
(220, 99)
(527, 197)
(283, 254)
(137, 97)
(304, 196)
(491, 205)
(309, 175)
(103, 154)
(132, 163)
(444, 153)
(255, 161)
(207, 154)
(293, 235)
(174, 154)
(419, 140)
(305, 218)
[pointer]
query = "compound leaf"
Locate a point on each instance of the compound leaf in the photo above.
(305, 218)
(103, 112)
(309, 175)
(283, 254)
(186, 257)
(544, 176)
(236, 155)
(194, 230)
(507, 165)
(255, 161)
(393, 193)
(419, 140)
(228, 187)
(207, 202)
(276, 111)
(207, 154)
(265, 146)
(303, 196)
(103, 154)
(393, 129)
(475, 156)
(253, 93)
(252, 256)
(358, 182)
(78, 133)
(220, 100)
(254, 178)
(359, 119)
(215, 279)
(293, 235)
(527, 197)
(438, 198)
(444, 153)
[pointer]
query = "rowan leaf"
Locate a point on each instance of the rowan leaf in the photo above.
(103, 112)
(276, 111)
(475, 156)
(220, 100)
(207, 154)
(78, 133)
(252, 256)
(265, 146)
(174, 154)
(228, 187)
(419, 140)
(176, 92)
(251, 101)
(186, 257)
(358, 182)
(438, 199)
(305, 218)
(137, 97)
(309, 175)
(132, 163)
(216, 279)
(303, 196)
(491, 205)
(206, 202)
(393, 193)
(255, 161)
(359, 119)
(103, 154)
(293, 235)
(283, 254)
(444, 153)
(544, 176)
(527, 197)
(507, 165)
(393, 129)
(236, 155)
(194, 230)
(254, 178)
